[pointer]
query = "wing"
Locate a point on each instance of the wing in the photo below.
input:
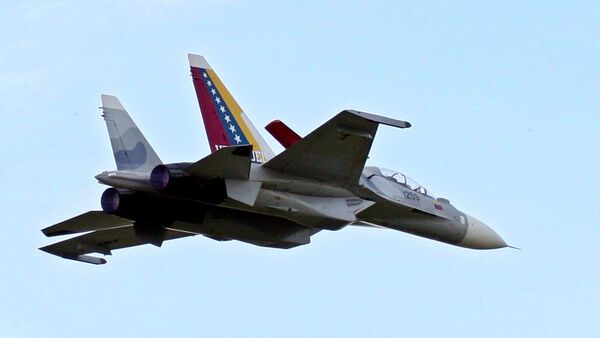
(89, 221)
(335, 152)
(104, 241)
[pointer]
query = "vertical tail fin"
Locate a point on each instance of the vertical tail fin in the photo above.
(225, 122)
(130, 148)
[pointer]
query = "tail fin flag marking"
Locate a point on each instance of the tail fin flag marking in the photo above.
(130, 148)
(225, 122)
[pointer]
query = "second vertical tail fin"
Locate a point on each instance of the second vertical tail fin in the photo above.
(225, 122)
(130, 148)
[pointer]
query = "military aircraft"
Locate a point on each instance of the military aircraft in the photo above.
(243, 191)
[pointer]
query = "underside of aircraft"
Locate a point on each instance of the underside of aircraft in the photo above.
(243, 191)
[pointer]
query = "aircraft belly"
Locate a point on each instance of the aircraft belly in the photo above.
(398, 217)
(442, 230)
(256, 229)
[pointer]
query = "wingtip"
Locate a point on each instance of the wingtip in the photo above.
(380, 119)
(111, 102)
(198, 61)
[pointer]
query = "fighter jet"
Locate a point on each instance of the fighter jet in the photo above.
(243, 191)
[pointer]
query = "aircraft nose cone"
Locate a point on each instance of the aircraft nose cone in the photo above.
(481, 236)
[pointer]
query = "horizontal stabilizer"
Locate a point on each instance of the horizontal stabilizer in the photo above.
(228, 162)
(335, 152)
(104, 241)
(89, 221)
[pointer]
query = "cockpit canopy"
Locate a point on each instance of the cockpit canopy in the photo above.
(398, 178)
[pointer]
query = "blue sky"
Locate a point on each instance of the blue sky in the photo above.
(503, 98)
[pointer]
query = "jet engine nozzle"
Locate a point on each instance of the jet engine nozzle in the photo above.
(127, 204)
(137, 206)
(169, 176)
(160, 177)
(110, 200)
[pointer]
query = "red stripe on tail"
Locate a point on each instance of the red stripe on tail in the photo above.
(214, 127)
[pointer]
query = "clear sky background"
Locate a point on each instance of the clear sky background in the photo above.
(504, 101)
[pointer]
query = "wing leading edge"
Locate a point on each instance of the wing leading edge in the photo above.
(104, 241)
(89, 221)
(335, 152)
